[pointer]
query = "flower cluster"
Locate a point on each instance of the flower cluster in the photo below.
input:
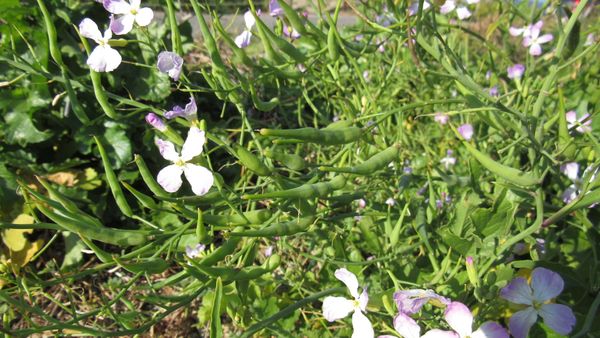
(462, 10)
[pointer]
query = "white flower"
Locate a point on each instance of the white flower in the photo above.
(449, 160)
(103, 58)
(129, 12)
(194, 252)
(335, 308)
(462, 12)
(582, 123)
(243, 40)
(200, 178)
(534, 41)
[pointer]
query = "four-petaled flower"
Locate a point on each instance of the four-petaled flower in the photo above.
(460, 319)
(103, 58)
(525, 31)
(534, 41)
(128, 12)
(544, 286)
(462, 12)
(335, 308)
(200, 178)
(189, 112)
(170, 63)
(243, 40)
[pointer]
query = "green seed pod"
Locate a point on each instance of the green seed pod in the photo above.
(227, 248)
(113, 182)
(232, 274)
(304, 191)
(292, 161)
(318, 136)
(368, 167)
(332, 45)
(510, 174)
(146, 265)
(148, 178)
(251, 161)
(280, 229)
(202, 234)
(293, 17)
(144, 199)
(249, 217)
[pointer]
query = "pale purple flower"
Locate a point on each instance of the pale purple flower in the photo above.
(290, 32)
(544, 286)
(194, 252)
(200, 178)
(103, 58)
(449, 160)
(466, 131)
(515, 71)
(275, 9)
(411, 301)
(570, 194)
(335, 308)
(460, 319)
(494, 91)
(582, 123)
(390, 202)
(361, 203)
(414, 7)
(366, 75)
(462, 12)
(534, 41)
(268, 251)
(243, 40)
(525, 31)
(571, 169)
(129, 12)
(156, 122)
(439, 204)
(170, 63)
(189, 112)
(408, 328)
(589, 40)
(441, 118)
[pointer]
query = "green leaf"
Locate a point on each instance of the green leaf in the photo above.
(20, 129)
(73, 247)
(116, 137)
(216, 330)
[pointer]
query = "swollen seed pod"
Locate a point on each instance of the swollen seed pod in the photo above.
(304, 191)
(374, 163)
(292, 161)
(318, 136)
(251, 161)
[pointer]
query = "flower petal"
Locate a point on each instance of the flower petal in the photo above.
(490, 330)
(545, 38)
(193, 144)
(571, 117)
(460, 318)
(435, 333)
(521, 322)
(200, 178)
(361, 325)
(349, 279)
(546, 284)
(571, 169)
(406, 326)
(176, 112)
(169, 62)
(167, 150)
(104, 59)
(249, 20)
(191, 109)
(123, 24)
(535, 50)
(243, 40)
(335, 308)
(363, 300)
(463, 13)
(558, 317)
(514, 31)
(89, 29)
(170, 178)
(117, 6)
(144, 16)
(518, 292)
(447, 7)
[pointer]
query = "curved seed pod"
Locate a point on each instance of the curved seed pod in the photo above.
(510, 174)
(292, 161)
(319, 136)
(251, 161)
(304, 191)
(144, 199)
(113, 182)
(280, 229)
(374, 163)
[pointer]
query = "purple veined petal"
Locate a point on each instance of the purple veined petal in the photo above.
(89, 29)
(545, 38)
(170, 63)
(335, 308)
(155, 121)
(170, 178)
(200, 178)
(570, 169)
(104, 59)
(243, 40)
(460, 318)
(406, 326)
(411, 301)
(518, 292)
(490, 330)
(521, 322)
(546, 284)
(117, 6)
(274, 9)
(191, 109)
(123, 24)
(558, 317)
(535, 49)
(167, 150)
(466, 131)
(361, 325)
(447, 7)
(463, 13)
(177, 111)
(144, 16)
(193, 144)
(436, 333)
(249, 20)
(349, 279)
(514, 31)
